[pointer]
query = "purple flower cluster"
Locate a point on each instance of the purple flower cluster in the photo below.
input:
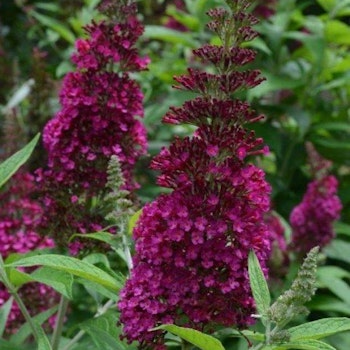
(265, 8)
(101, 107)
(312, 220)
(190, 266)
(19, 218)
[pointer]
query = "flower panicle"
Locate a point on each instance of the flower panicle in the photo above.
(192, 244)
(100, 117)
(117, 202)
(313, 218)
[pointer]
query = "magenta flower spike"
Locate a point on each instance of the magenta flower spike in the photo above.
(312, 220)
(101, 107)
(192, 245)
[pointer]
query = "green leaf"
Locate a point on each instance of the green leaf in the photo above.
(12, 164)
(229, 332)
(338, 250)
(273, 83)
(6, 345)
(328, 303)
(25, 331)
(327, 4)
(337, 286)
(71, 265)
(47, 6)
(105, 237)
(18, 278)
(337, 32)
(199, 339)
(259, 44)
(340, 227)
(191, 22)
(320, 329)
(169, 35)
(61, 281)
(4, 312)
(133, 221)
(96, 290)
(258, 284)
(20, 94)
(43, 341)
(55, 25)
(307, 344)
(332, 271)
(332, 126)
(103, 331)
(97, 258)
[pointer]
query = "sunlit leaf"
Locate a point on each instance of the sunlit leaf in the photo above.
(12, 164)
(320, 329)
(201, 340)
(71, 265)
(258, 284)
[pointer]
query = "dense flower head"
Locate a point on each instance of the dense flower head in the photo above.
(192, 253)
(99, 118)
(190, 266)
(312, 220)
(19, 218)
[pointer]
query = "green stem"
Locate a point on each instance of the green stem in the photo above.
(62, 309)
(125, 245)
(287, 156)
(12, 290)
(268, 332)
(24, 311)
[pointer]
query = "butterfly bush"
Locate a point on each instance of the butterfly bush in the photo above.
(19, 219)
(100, 109)
(190, 265)
(312, 219)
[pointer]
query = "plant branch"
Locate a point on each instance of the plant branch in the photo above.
(62, 309)
(12, 290)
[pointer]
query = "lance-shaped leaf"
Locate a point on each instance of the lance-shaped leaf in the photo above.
(25, 331)
(305, 344)
(71, 265)
(101, 236)
(43, 341)
(133, 221)
(199, 339)
(103, 332)
(320, 329)
(12, 164)
(258, 284)
(4, 313)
